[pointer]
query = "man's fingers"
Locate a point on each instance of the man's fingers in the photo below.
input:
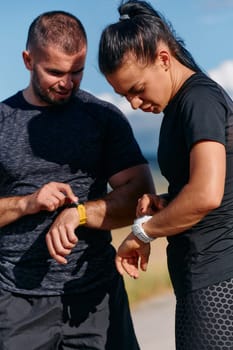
(59, 258)
(68, 192)
(67, 236)
(55, 194)
(60, 242)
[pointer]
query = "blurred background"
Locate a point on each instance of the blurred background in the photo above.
(206, 26)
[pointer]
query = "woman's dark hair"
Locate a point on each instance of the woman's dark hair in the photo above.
(138, 31)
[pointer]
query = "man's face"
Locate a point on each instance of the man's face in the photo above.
(55, 76)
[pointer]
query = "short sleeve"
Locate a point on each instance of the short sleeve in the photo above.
(121, 148)
(204, 116)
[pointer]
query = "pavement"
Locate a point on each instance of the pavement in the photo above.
(154, 323)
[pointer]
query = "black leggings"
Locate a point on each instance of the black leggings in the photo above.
(204, 318)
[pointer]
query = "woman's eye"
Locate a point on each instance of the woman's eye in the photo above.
(139, 91)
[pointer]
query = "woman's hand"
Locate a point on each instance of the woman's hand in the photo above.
(149, 204)
(131, 255)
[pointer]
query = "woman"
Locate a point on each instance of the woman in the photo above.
(144, 61)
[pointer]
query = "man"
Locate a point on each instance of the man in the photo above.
(59, 144)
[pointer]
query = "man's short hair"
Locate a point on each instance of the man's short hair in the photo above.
(57, 28)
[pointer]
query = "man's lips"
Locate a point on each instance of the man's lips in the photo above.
(63, 93)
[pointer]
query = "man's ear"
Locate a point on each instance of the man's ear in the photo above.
(27, 58)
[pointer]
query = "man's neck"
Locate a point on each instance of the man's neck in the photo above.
(32, 99)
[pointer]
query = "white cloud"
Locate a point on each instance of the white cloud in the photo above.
(223, 74)
(118, 101)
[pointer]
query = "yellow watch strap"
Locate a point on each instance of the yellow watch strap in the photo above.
(82, 214)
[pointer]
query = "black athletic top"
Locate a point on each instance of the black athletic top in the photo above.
(82, 143)
(201, 110)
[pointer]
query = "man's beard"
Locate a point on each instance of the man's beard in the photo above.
(46, 95)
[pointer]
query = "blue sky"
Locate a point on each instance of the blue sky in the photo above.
(205, 25)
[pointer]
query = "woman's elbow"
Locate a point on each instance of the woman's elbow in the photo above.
(211, 202)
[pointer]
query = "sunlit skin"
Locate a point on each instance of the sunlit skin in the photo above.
(150, 86)
(202, 194)
(55, 75)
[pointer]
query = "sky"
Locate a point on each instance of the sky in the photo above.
(206, 26)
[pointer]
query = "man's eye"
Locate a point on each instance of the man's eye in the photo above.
(77, 72)
(56, 74)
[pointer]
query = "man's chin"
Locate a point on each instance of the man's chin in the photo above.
(56, 101)
(60, 101)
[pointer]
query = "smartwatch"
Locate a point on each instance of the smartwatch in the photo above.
(81, 212)
(138, 230)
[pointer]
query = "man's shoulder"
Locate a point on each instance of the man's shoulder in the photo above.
(5, 110)
(13, 109)
(88, 97)
(10, 104)
(96, 104)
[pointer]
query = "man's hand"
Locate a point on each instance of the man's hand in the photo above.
(131, 255)
(49, 197)
(61, 238)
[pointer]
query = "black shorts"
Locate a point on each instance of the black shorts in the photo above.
(96, 321)
(204, 318)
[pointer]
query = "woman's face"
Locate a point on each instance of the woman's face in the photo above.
(148, 87)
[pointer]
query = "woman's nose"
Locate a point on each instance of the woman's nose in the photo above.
(135, 101)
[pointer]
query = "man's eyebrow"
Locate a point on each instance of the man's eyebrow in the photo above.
(79, 70)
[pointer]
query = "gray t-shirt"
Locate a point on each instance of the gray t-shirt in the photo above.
(82, 143)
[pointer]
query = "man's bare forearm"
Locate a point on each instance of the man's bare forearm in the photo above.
(11, 209)
(118, 208)
(49, 197)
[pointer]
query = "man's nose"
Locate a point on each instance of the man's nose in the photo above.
(67, 82)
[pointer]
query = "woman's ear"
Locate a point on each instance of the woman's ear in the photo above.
(164, 58)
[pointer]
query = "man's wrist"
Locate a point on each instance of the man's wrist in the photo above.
(82, 214)
(139, 232)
